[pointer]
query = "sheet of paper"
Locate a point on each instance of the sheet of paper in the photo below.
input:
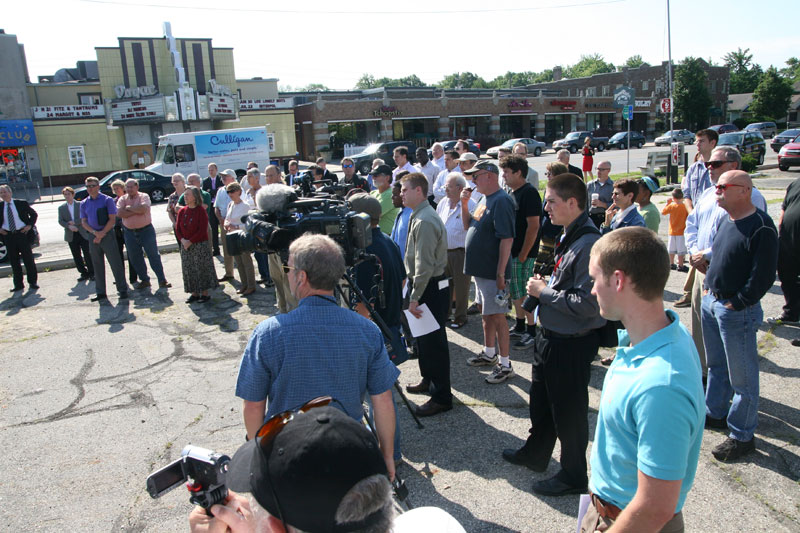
(443, 284)
(405, 288)
(583, 506)
(423, 325)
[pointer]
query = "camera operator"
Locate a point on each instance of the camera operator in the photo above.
(351, 178)
(321, 471)
(285, 301)
(317, 349)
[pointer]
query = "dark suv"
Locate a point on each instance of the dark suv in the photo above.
(385, 151)
(748, 143)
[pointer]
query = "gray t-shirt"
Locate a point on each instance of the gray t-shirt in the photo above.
(492, 221)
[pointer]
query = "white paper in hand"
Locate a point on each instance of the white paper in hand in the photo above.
(423, 325)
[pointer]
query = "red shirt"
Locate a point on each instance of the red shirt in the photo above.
(192, 223)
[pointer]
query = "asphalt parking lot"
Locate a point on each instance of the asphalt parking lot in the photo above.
(93, 398)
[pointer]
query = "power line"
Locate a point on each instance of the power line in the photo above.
(340, 12)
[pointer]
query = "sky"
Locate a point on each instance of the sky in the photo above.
(334, 43)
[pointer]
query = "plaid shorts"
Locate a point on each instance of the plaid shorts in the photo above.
(520, 273)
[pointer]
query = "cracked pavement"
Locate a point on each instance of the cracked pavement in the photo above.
(95, 397)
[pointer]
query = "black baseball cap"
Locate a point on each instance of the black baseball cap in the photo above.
(310, 465)
(385, 170)
(483, 165)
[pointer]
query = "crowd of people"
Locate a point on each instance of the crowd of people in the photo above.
(567, 258)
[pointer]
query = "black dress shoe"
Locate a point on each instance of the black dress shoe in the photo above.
(98, 298)
(123, 295)
(83, 277)
(33, 286)
(555, 487)
(431, 408)
(15, 289)
(423, 387)
(520, 457)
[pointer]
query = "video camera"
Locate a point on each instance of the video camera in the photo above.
(306, 182)
(282, 218)
(205, 470)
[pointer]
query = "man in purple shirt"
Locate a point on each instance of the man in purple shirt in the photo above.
(98, 213)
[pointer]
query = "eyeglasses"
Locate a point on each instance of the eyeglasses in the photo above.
(287, 268)
(547, 173)
(603, 169)
(716, 164)
(724, 186)
(616, 193)
(92, 186)
(273, 427)
(347, 166)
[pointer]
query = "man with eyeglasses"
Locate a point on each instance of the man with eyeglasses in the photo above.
(450, 165)
(599, 192)
(739, 275)
(350, 176)
(98, 215)
(701, 228)
(345, 357)
(622, 213)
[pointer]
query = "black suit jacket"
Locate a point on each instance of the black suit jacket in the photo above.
(207, 183)
(575, 170)
(26, 213)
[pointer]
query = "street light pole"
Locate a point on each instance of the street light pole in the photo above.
(669, 73)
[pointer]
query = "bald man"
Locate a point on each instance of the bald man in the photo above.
(739, 275)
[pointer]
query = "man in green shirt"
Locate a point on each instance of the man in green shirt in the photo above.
(197, 181)
(649, 212)
(382, 179)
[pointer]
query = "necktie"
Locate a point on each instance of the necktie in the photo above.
(12, 226)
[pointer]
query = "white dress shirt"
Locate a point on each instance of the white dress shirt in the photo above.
(441, 181)
(451, 216)
(17, 221)
(431, 172)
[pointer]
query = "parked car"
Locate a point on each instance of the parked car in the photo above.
(767, 129)
(724, 128)
(748, 143)
(575, 139)
(620, 140)
(784, 137)
(34, 240)
(535, 147)
(155, 185)
(677, 136)
(789, 155)
(385, 151)
(473, 147)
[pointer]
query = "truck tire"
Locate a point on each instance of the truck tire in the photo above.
(784, 168)
(573, 149)
(365, 168)
(537, 152)
(157, 195)
(761, 158)
(623, 146)
(639, 144)
(601, 147)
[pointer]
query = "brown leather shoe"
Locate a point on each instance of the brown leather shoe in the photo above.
(431, 408)
(684, 301)
(423, 387)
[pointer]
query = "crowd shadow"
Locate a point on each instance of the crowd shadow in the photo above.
(155, 301)
(115, 315)
(82, 290)
(21, 300)
(218, 311)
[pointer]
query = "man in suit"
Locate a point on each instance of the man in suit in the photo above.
(210, 185)
(563, 157)
(16, 220)
(69, 217)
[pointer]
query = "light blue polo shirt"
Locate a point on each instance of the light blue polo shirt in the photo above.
(652, 413)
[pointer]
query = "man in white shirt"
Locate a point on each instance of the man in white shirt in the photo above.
(426, 167)
(450, 165)
(400, 157)
(437, 151)
(533, 176)
(449, 210)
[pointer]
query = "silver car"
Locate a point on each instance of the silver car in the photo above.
(534, 147)
(684, 136)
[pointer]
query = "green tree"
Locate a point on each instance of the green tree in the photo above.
(313, 87)
(792, 70)
(692, 101)
(772, 96)
(745, 75)
(463, 80)
(366, 81)
(520, 79)
(634, 61)
(588, 66)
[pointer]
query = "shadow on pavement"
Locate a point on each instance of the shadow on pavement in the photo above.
(21, 300)
(116, 316)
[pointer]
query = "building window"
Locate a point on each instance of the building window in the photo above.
(77, 156)
(90, 99)
(659, 86)
(646, 85)
(713, 86)
(591, 91)
(606, 91)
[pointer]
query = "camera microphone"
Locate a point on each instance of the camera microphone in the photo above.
(275, 198)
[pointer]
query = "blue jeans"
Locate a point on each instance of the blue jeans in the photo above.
(263, 266)
(144, 240)
(371, 413)
(732, 355)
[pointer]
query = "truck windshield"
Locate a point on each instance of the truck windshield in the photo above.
(165, 154)
(573, 135)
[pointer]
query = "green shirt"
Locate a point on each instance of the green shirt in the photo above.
(651, 216)
(206, 201)
(426, 248)
(388, 210)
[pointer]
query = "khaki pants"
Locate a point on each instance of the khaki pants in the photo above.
(247, 274)
(592, 522)
(286, 301)
(228, 258)
(697, 311)
(459, 287)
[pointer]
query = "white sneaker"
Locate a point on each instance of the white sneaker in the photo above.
(482, 360)
(500, 373)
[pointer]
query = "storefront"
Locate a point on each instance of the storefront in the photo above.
(557, 125)
(470, 126)
(421, 130)
(15, 137)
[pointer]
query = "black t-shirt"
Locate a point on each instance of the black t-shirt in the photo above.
(790, 227)
(394, 272)
(528, 204)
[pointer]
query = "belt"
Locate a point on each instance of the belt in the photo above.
(722, 295)
(606, 510)
(550, 334)
(454, 249)
(140, 229)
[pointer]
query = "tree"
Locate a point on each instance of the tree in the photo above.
(521, 79)
(634, 62)
(313, 87)
(792, 71)
(772, 96)
(366, 81)
(588, 66)
(745, 75)
(692, 101)
(463, 80)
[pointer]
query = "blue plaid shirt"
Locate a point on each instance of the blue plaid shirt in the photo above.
(315, 350)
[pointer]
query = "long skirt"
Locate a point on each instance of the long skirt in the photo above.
(198, 268)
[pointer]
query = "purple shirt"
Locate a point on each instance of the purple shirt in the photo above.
(90, 206)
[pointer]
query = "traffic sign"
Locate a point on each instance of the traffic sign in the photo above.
(627, 112)
(666, 105)
(623, 96)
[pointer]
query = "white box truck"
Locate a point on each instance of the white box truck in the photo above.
(193, 151)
